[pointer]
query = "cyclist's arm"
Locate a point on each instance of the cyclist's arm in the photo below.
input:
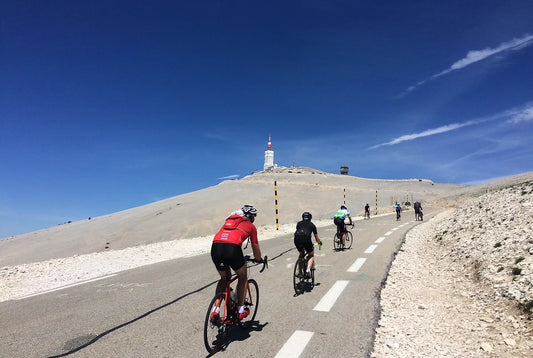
(257, 252)
(317, 239)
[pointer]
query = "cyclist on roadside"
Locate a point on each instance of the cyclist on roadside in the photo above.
(418, 211)
(226, 252)
(339, 218)
(302, 239)
(398, 211)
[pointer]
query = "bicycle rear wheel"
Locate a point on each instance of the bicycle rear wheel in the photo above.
(297, 277)
(349, 239)
(313, 276)
(251, 300)
(337, 241)
(215, 329)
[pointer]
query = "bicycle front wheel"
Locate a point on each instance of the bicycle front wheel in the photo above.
(251, 300)
(214, 327)
(349, 239)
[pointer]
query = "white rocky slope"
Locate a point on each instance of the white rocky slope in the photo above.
(462, 284)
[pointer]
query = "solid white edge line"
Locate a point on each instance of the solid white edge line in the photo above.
(63, 287)
(295, 345)
(327, 302)
(357, 264)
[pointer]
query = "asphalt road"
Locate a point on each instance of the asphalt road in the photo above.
(159, 310)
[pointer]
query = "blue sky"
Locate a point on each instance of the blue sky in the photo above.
(108, 105)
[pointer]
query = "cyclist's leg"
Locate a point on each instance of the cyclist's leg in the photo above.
(238, 264)
(310, 253)
(218, 253)
(299, 244)
(344, 235)
(242, 274)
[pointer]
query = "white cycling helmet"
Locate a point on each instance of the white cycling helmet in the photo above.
(249, 210)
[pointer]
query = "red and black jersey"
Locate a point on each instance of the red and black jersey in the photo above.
(236, 230)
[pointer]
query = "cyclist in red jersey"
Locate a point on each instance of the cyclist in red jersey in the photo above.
(226, 251)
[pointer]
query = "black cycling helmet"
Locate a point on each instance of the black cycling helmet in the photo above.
(250, 212)
(307, 216)
(343, 207)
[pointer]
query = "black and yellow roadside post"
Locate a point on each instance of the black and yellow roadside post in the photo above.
(376, 202)
(276, 201)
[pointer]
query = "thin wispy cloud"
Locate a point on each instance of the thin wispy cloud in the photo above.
(476, 56)
(512, 116)
(426, 133)
(521, 115)
(229, 177)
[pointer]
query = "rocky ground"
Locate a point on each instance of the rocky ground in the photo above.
(462, 284)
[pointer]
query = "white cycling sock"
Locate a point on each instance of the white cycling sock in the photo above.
(241, 309)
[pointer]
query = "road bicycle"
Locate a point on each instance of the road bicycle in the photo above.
(337, 240)
(217, 327)
(303, 281)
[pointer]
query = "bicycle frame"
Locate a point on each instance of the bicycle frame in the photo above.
(215, 328)
(227, 313)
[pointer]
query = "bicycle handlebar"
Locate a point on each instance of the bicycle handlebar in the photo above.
(263, 261)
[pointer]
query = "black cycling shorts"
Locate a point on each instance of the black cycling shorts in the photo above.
(303, 243)
(340, 224)
(227, 255)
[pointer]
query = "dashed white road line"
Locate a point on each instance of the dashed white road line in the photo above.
(357, 264)
(331, 296)
(370, 249)
(295, 345)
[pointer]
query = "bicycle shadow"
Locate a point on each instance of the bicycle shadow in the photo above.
(86, 341)
(237, 333)
(305, 287)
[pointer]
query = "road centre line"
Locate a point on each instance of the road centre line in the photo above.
(380, 239)
(370, 249)
(331, 296)
(388, 233)
(394, 229)
(295, 345)
(357, 265)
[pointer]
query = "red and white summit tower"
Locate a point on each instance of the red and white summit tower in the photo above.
(269, 156)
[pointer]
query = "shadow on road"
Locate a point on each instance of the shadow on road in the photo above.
(93, 339)
(79, 343)
(238, 333)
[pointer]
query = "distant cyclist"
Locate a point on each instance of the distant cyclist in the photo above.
(302, 239)
(226, 252)
(367, 211)
(398, 211)
(339, 218)
(418, 211)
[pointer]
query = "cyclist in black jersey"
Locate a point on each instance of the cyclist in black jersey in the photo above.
(302, 238)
